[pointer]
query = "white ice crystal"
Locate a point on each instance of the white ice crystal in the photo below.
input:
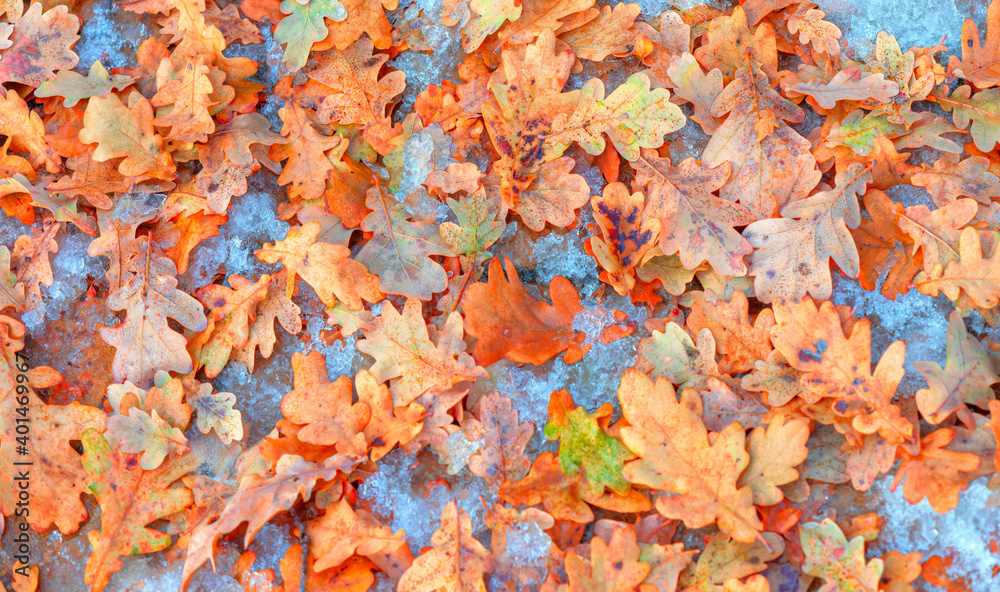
(920, 23)
(918, 319)
(110, 36)
(392, 494)
(964, 533)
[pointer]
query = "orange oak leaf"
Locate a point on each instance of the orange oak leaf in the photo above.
(540, 16)
(343, 531)
(363, 16)
(183, 100)
(184, 231)
(232, 311)
(900, 570)
(813, 341)
(144, 341)
(772, 164)
(327, 268)
(876, 238)
(38, 45)
(400, 250)
(55, 494)
(937, 232)
(729, 36)
(661, 49)
(360, 96)
(792, 253)
(633, 116)
(405, 354)
(554, 196)
(966, 378)
(675, 456)
(980, 63)
(971, 274)
(457, 561)
(92, 180)
(325, 409)
(310, 155)
(120, 130)
(145, 433)
(741, 343)
(501, 457)
(808, 23)
(26, 132)
(276, 306)
(30, 260)
(130, 498)
(614, 566)
(527, 102)
(609, 33)
(951, 179)
(847, 86)
(724, 559)
(508, 322)
(481, 18)
(775, 451)
(389, 425)
(566, 498)
(695, 86)
(694, 223)
(258, 499)
(626, 235)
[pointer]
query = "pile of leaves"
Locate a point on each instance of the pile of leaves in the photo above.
(750, 390)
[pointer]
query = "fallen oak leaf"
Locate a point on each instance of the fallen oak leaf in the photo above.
(144, 341)
(845, 88)
(303, 26)
(632, 116)
(120, 130)
(614, 566)
(584, 443)
(360, 96)
(130, 498)
(257, 500)
(965, 380)
(457, 561)
(508, 322)
(389, 425)
(343, 531)
(216, 412)
(841, 563)
(40, 44)
(73, 87)
(327, 268)
(694, 223)
(701, 476)
(400, 250)
(626, 235)
(792, 253)
(149, 434)
(970, 274)
(775, 451)
(501, 457)
(405, 354)
(980, 63)
(325, 409)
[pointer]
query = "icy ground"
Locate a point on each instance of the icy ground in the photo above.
(401, 492)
